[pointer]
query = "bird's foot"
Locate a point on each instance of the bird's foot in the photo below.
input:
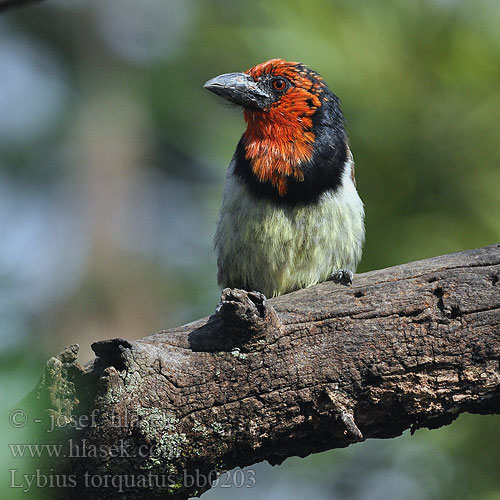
(342, 276)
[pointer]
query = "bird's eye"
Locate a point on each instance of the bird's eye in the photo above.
(279, 83)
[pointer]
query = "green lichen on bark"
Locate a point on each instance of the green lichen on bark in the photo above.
(56, 393)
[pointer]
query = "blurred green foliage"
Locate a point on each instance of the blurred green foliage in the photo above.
(112, 161)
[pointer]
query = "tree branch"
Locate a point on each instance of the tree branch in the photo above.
(405, 347)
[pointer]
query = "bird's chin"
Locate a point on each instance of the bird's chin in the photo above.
(252, 108)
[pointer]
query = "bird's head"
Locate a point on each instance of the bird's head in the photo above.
(295, 129)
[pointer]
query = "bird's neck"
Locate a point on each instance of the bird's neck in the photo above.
(292, 161)
(276, 144)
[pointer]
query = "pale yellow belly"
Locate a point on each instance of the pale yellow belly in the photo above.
(274, 250)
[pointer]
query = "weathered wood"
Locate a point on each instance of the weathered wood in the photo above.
(405, 347)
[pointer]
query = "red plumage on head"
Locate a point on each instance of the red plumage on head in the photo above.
(279, 138)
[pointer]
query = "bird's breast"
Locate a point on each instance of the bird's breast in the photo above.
(277, 248)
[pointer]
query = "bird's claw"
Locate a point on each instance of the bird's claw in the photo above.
(342, 276)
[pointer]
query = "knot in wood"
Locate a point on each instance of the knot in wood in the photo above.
(250, 311)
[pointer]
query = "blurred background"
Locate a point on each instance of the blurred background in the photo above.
(112, 162)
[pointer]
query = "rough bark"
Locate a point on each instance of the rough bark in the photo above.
(405, 347)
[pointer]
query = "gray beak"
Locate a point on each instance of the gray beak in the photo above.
(239, 88)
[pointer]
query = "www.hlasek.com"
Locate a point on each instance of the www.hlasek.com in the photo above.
(83, 449)
(122, 482)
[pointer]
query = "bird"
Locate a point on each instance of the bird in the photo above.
(291, 216)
